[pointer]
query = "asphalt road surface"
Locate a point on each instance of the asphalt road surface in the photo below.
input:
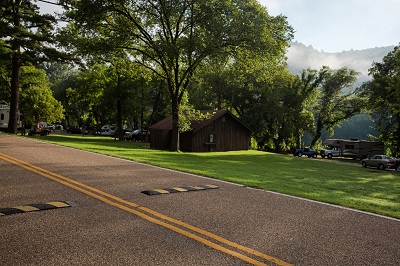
(111, 222)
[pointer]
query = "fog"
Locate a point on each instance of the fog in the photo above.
(302, 57)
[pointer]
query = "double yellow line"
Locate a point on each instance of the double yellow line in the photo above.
(154, 217)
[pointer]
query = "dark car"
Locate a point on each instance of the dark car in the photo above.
(77, 130)
(136, 135)
(381, 162)
(305, 151)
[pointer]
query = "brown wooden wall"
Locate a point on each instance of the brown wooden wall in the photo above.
(228, 135)
(160, 139)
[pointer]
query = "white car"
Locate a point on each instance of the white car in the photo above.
(107, 132)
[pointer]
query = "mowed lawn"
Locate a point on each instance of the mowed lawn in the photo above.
(342, 184)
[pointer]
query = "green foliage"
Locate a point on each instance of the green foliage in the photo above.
(189, 115)
(172, 38)
(333, 106)
(26, 32)
(383, 95)
(273, 103)
(37, 101)
(113, 93)
(27, 39)
(5, 73)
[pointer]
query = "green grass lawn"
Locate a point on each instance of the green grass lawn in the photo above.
(346, 185)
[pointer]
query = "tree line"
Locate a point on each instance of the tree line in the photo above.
(130, 63)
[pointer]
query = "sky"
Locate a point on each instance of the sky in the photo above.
(340, 25)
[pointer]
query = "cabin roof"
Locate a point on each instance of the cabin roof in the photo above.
(166, 123)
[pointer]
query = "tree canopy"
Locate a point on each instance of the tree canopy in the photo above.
(172, 38)
(37, 101)
(333, 105)
(141, 60)
(383, 95)
(26, 38)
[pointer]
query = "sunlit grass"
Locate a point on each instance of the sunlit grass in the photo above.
(349, 186)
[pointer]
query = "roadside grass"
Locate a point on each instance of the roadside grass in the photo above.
(332, 182)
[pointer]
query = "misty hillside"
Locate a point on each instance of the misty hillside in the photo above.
(302, 57)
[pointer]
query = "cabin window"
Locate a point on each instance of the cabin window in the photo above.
(2, 117)
(350, 147)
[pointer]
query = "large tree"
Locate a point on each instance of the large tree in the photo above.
(173, 37)
(334, 104)
(26, 36)
(383, 94)
(275, 104)
(37, 101)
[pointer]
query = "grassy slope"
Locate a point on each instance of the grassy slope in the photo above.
(355, 187)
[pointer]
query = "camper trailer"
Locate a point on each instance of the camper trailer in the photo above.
(5, 117)
(354, 148)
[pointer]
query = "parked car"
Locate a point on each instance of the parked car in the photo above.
(136, 135)
(381, 162)
(107, 132)
(77, 130)
(128, 135)
(305, 151)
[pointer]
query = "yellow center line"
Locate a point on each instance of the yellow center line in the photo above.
(87, 190)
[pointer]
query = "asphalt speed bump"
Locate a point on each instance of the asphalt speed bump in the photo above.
(178, 189)
(35, 207)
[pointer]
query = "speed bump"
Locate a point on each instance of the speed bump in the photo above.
(35, 207)
(178, 189)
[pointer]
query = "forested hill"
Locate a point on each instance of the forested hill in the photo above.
(301, 57)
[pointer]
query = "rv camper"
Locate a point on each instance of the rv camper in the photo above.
(354, 148)
(5, 117)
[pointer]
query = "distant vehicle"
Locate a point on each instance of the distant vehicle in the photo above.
(112, 127)
(5, 117)
(354, 148)
(55, 127)
(77, 130)
(305, 151)
(136, 135)
(381, 162)
(107, 132)
(128, 135)
(39, 128)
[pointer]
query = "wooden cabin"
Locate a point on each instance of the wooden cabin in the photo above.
(221, 132)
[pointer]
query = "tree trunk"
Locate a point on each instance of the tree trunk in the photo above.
(120, 131)
(396, 143)
(15, 73)
(318, 133)
(120, 102)
(175, 125)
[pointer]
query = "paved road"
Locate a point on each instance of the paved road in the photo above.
(113, 223)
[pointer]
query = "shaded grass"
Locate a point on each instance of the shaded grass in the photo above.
(341, 184)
